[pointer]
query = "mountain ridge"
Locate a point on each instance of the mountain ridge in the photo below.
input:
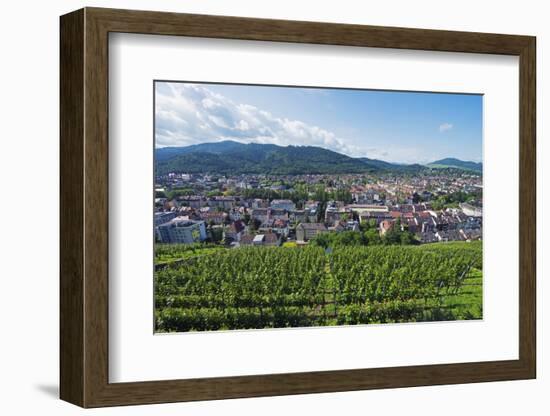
(451, 162)
(231, 157)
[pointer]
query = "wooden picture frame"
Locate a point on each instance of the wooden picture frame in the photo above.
(84, 207)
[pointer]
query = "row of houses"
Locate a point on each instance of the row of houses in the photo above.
(452, 235)
(432, 227)
(366, 212)
(188, 225)
(275, 233)
(236, 207)
(230, 202)
(185, 231)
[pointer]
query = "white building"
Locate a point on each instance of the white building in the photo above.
(182, 230)
(471, 210)
(286, 204)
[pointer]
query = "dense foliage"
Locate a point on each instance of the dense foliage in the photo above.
(261, 159)
(167, 253)
(453, 199)
(229, 157)
(310, 286)
(456, 163)
(369, 236)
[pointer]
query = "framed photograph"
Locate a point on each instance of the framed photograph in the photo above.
(256, 207)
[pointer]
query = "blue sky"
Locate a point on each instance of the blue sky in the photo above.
(404, 127)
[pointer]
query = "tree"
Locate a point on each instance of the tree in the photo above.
(407, 238)
(391, 237)
(343, 195)
(174, 193)
(349, 238)
(321, 211)
(397, 225)
(322, 240)
(372, 237)
(320, 194)
(216, 234)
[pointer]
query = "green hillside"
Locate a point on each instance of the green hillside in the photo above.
(236, 158)
(456, 164)
(257, 287)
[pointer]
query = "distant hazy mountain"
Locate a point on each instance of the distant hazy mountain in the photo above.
(456, 163)
(229, 157)
(396, 167)
(378, 163)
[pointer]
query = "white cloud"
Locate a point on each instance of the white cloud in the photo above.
(445, 127)
(242, 125)
(188, 113)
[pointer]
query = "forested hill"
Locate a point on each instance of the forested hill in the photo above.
(457, 164)
(230, 157)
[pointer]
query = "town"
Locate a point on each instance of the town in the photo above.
(436, 205)
(276, 208)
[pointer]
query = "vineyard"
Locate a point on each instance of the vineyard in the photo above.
(297, 287)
